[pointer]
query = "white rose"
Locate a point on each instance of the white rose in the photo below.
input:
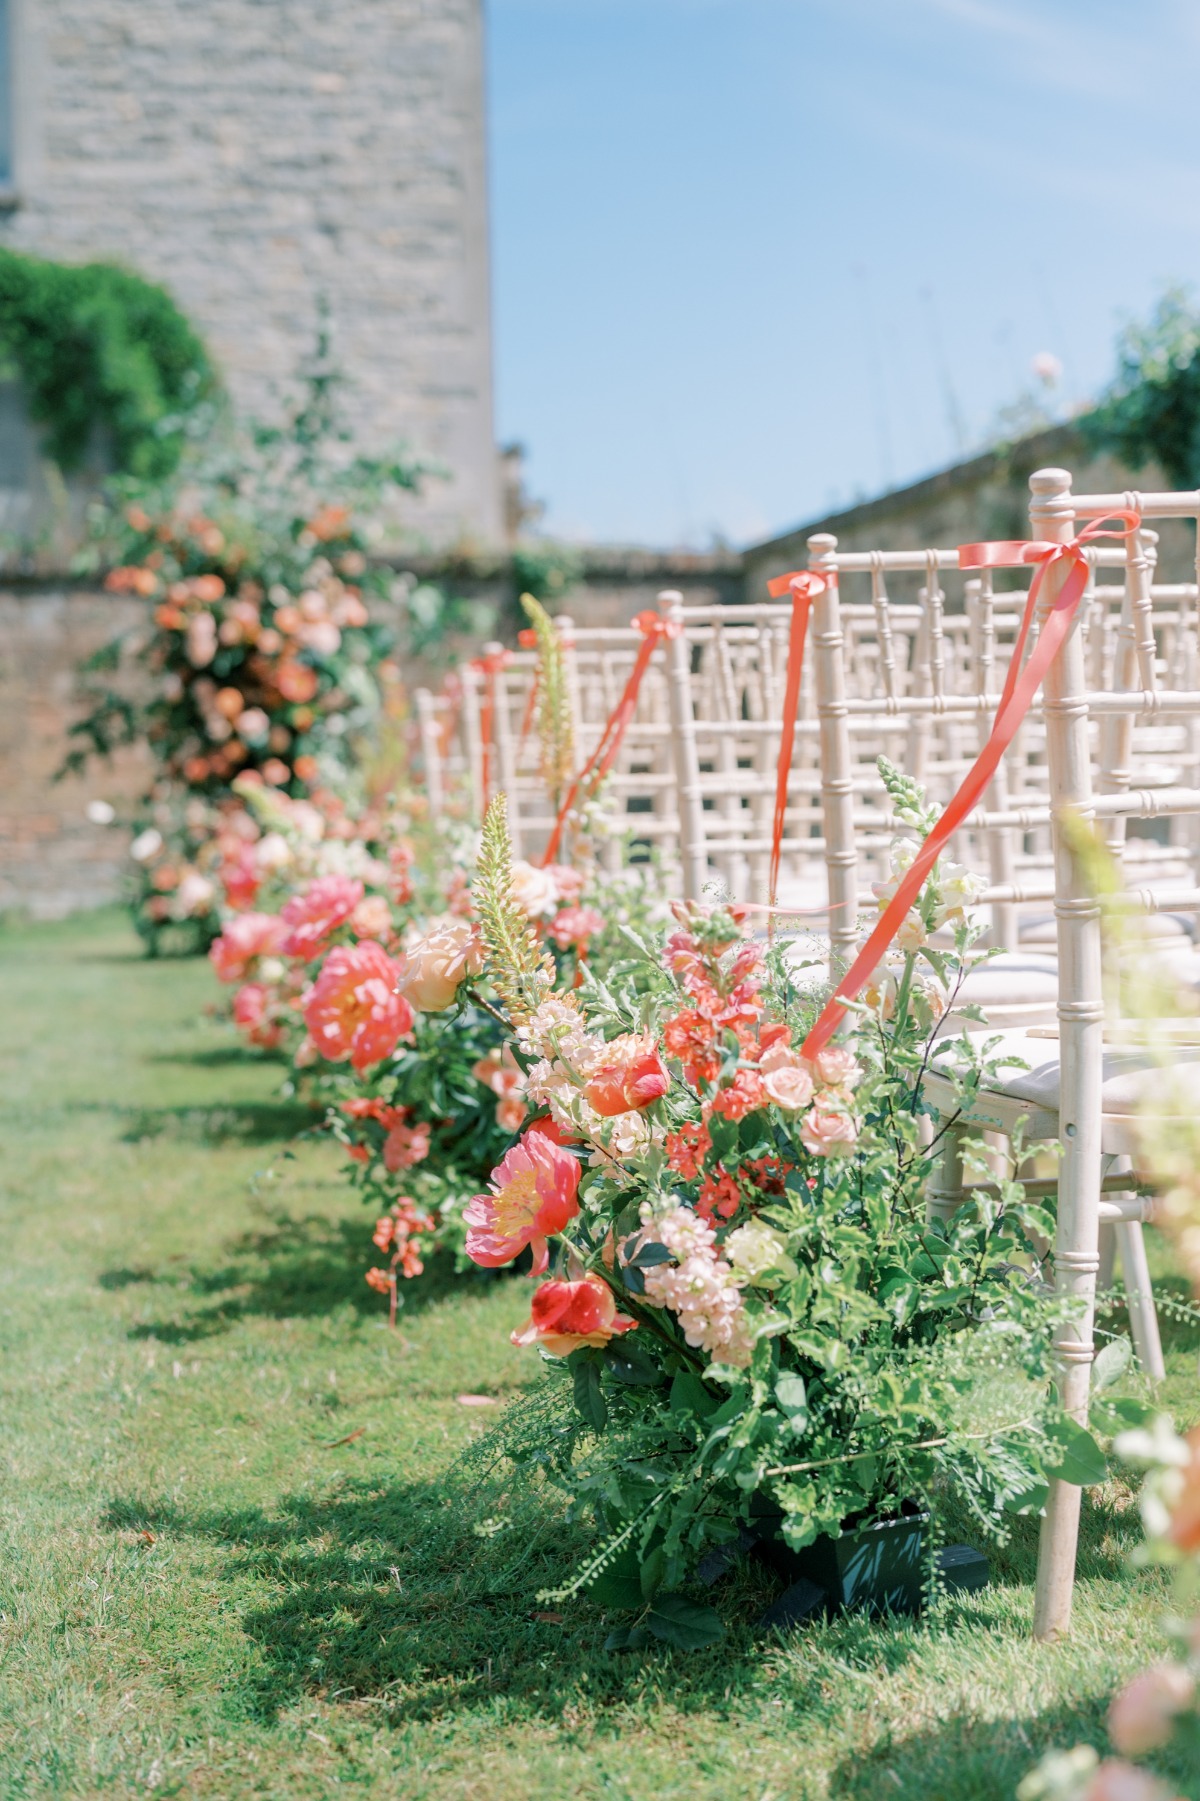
(756, 1251)
(100, 812)
(272, 852)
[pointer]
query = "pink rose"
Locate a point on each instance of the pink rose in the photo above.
(825, 1132)
(789, 1085)
(835, 1067)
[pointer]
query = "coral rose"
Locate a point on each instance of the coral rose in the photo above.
(566, 1315)
(353, 1009)
(534, 1193)
(628, 1075)
(246, 937)
(312, 916)
(434, 968)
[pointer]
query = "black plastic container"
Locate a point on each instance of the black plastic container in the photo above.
(877, 1567)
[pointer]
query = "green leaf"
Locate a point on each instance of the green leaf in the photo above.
(689, 1395)
(589, 1400)
(792, 1397)
(688, 1625)
(1117, 1415)
(1111, 1364)
(626, 1638)
(1082, 1462)
(649, 1256)
(631, 1364)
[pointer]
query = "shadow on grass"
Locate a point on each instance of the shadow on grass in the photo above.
(243, 1122)
(426, 1599)
(218, 1056)
(291, 1269)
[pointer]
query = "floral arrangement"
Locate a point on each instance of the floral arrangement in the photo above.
(758, 1325)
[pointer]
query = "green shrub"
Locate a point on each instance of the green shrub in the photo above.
(1152, 410)
(96, 345)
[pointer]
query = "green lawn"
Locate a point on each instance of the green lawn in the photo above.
(203, 1592)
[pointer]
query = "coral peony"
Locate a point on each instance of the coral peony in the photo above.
(628, 1076)
(353, 1009)
(246, 937)
(434, 968)
(316, 913)
(565, 1315)
(251, 1013)
(534, 1193)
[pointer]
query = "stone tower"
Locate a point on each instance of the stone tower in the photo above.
(260, 157)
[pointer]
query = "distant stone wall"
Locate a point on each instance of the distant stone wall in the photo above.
(260, 156)
(53, 860)
(987, 497)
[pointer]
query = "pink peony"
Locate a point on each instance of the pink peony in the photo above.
(353, 1010)
(825, 1132)
(534, 1193)
(1142, 1716)
(628, 1076)
(566, 1315)
(434, 968)
(245, 937)
(312, 916)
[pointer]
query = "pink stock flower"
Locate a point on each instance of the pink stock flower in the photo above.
(353, 1009)
(312, 916)
(628, 1076)
(372, 918)
(825, 1133)
(534, 1193)
(565, 1315)
(245, 937)
(1142, 1716)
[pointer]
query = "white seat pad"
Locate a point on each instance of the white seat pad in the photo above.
(1129, 1078)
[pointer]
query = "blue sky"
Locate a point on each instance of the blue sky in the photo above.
(753, 258)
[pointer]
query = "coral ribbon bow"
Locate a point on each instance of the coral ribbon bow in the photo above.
(654, 629)
(803, 587)
(1020, 686)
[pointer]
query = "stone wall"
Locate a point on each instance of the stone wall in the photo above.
(53, 859)
(260, 156)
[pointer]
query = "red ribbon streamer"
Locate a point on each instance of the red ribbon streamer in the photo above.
(489, 667)
(1020, 686)
(803, 586)
(654, 629)
(528, 641)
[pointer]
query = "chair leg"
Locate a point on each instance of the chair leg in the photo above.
(945, 1194)
(1106, 1274)
(1139, 1298)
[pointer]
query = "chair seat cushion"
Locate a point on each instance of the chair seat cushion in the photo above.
(1129, 1078)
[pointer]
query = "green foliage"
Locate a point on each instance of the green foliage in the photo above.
(1152, 410)
(95, 345)
(546, 571)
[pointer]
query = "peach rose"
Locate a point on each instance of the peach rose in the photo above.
(372, 918)
(789, 1085)
(434, 968)
(835, 1067)
(825, 1133)
(1143, 1715)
